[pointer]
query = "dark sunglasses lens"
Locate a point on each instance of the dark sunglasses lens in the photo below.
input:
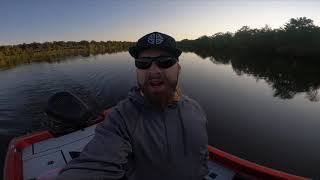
(166, 63)
(142, 64)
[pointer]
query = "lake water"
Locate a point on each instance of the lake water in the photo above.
(246, 117)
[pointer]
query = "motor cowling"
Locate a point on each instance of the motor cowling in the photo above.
(68, 111)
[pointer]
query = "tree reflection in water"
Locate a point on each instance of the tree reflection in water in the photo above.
(286, 76)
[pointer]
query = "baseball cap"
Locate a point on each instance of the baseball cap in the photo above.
(156, 40)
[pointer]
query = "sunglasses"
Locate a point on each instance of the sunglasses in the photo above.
(163, 62)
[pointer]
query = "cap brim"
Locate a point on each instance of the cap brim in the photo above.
(135, 51)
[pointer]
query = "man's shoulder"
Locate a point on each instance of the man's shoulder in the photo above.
(124, 106)
(122, 115)
(192, 111)
(131, 101)
(190, 101)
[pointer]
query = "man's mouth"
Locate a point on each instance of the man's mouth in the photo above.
(156, 83)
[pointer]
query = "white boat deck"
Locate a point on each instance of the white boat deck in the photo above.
(54, 153)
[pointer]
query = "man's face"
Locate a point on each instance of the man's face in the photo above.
(158, 84)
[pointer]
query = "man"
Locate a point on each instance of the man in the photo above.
(156, 132)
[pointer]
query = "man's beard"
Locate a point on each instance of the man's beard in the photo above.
(160, 99)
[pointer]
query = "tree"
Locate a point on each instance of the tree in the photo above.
(300, 24)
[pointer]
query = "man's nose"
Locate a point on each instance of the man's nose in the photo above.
(154, 68)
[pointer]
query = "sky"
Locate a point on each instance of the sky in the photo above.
(27, 21)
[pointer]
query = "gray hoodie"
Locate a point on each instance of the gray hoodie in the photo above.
(138, 142)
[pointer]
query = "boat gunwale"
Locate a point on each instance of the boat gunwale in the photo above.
(248, 168)
(13, 161)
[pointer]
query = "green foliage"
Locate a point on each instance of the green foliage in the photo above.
(298, 38)
(222, 41)
(300, 24)
(49, 51)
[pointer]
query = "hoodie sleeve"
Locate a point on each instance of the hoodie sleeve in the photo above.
(105, 156)
(204, 170)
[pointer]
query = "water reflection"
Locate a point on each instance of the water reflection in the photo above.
(246, 120)
(286, 76)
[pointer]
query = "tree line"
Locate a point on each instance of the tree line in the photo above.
(287, 58)
(299, 37)
(12, 55)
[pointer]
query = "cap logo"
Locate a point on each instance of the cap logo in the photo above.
(155, 38)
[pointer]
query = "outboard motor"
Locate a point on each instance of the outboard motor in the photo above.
(67, 113)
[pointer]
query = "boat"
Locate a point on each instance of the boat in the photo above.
(30, 156)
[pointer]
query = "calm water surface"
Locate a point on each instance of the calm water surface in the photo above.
(245, 118)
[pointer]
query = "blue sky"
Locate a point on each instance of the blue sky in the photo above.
(27, 21)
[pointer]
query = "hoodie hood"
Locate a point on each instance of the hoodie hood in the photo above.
(136, 97)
